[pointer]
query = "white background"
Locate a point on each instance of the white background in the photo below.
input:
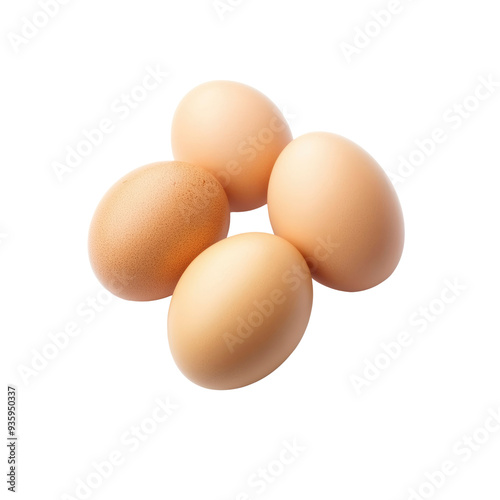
(377, 444)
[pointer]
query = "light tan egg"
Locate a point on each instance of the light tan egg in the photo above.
(239, 310)
(331, 199)
(235, 132)
(151, 224)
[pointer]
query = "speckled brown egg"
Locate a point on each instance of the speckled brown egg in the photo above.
(151, 224)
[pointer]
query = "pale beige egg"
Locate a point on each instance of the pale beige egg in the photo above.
(236, 133)
(239, 310)
(331, 199)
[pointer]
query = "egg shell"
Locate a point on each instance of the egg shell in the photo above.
(239, 310)
(236, 133)
(151, 224)
(331, 200)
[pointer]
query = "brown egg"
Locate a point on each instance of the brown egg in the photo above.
(239, 310)
(235, 132)
(151, 224)
(331, 199)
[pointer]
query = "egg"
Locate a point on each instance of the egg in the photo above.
(236, 133)
(151, 224)
(333, 202)
(239, 310)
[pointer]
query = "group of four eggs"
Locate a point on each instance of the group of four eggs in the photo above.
(240, 305)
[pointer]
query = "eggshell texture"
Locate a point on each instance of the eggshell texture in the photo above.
(236, 133)
(239, 310)
(151, 224)
(331, 199)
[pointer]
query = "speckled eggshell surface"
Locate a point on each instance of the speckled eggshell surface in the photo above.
(151, 224)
